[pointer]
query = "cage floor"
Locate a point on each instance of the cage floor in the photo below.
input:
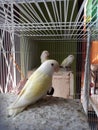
(50, 113)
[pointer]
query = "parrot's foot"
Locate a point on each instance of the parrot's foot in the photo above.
(50, 91)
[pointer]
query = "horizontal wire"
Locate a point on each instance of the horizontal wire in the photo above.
(40, 25)
(88, 24)
(29, 22)
(79, 14)
(24, 1)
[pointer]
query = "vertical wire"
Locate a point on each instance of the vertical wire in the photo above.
(60, 15)
(66, 4)
(56, 10)
(37, 16)
(1, 90)
(15, 16)
(33, 19)
(50, 17)
(90, 25)
(27, 63)
(5, 80)
(73, 9)
(9, 76)
(86, 75)
(4, 60)
(65, 15)
(78, 16)
(58, 19)
(43, 17)
(35, 13)
(4, 53)
(26, 7)
(54, 15)
(13, 43)
(24, 12)
(1, 61)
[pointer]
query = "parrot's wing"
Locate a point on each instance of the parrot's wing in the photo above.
(19, 96)
(33, 90)
(13, 110)
(22, 92)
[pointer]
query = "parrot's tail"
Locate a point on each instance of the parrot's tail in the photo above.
(14, 111)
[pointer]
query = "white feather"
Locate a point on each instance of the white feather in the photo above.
(67, 61)
(35, 88)
(44, 56)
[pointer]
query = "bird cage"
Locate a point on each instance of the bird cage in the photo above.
(62, 27)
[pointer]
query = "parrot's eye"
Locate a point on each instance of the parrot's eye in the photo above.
(52, 64)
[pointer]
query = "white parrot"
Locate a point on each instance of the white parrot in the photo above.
(44, 56)
(36, 87)
(67, 61)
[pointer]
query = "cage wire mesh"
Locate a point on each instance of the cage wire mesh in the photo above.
(59, 26)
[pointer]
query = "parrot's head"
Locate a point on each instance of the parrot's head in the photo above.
(49, 66)
(45, 54)
(71, 57)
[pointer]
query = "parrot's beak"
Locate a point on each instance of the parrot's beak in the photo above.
(57, 69)
(60, 66)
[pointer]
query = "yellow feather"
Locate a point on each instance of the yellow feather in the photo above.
(34, 89)
(37, 85)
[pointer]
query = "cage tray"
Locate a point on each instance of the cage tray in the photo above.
(50, 113)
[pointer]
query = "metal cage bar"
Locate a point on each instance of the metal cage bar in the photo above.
(29, 19)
